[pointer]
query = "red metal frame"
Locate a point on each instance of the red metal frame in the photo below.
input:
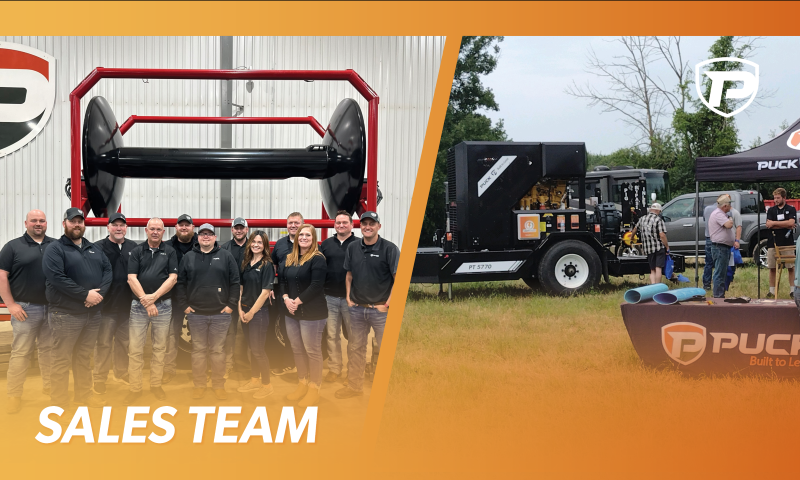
(134, 119)
(176, 74)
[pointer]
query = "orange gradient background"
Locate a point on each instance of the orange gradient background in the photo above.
(554, 430)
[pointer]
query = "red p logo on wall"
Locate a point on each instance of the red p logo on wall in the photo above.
(27, 94)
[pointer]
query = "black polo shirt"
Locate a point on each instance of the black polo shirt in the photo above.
(282, 248)
(779, 214)
(119, 295)
(152, 266)
(334, 252)
(255, 279)
(373, 268)
(236, 250)
(22, 259)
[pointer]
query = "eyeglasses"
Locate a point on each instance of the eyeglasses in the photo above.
(206, 234)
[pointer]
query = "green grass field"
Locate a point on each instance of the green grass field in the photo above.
(565, 363)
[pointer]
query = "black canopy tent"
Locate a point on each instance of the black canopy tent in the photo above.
(775, 161)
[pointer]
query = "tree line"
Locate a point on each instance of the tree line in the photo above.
(670, 126)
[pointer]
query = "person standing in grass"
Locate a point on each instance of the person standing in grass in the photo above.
(653, 232)
(781, 220)
(257, 276)
(720, 229)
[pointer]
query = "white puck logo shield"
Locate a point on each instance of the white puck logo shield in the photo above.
(747, 84)
(27, 94)
(684, 342)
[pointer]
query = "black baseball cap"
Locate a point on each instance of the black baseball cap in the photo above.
(186, 217)
(239, 221)
(73, 212)
(371, 216)
(117, 216)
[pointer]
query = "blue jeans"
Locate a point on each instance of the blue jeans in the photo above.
(361, 319)
(230, 340)
(208, 346)
(255, 331)
(338, 312)
(74, 338)
(26, 334)
(159, 332)
(175, 331)
(722, 255)
(306, 339)
(709, 266)
(113, 331)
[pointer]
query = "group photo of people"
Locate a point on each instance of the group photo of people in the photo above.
(88, 307)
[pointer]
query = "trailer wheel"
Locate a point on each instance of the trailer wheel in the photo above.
(569, 267)
(759, 253)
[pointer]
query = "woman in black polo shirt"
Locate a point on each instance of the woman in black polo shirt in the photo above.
(257, 276)
(302, 278)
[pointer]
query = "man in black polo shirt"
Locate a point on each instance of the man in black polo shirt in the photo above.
(78, 276)
(182, 242)
(334, 249)
(22, 290)
(781, 220)
(236, 247)
(279, 349)
(152, 272)
(371, 265)
(116, 307)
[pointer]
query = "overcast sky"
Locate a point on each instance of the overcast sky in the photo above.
(533, 72)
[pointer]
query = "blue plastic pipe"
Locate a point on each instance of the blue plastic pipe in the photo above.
(679, 295)
(636, 295)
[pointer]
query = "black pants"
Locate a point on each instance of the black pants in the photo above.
(279, 350)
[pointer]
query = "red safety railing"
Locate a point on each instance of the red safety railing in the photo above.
(134, 119)
(350, 76)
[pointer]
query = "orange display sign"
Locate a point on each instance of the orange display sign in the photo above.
(528, 227)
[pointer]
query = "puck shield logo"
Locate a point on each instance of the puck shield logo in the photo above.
(794, 140)
(27, 94)
(747, 88)
(684, 342)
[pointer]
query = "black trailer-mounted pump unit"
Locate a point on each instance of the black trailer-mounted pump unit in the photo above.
(487, 180)
(509, 217)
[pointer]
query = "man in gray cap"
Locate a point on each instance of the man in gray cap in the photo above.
(182, 242)
(371, 265)
(78, 276)
(235, 246)
(116, 307)
(208, 291)
(653, 231)
(721, 232)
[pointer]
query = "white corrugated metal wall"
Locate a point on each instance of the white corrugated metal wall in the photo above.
(34, 176)
(402, 70)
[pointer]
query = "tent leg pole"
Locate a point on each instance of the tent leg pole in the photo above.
(758, 244)
(697, 234)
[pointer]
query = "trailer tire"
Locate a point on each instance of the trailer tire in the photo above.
(569, 267)
(759, 253)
